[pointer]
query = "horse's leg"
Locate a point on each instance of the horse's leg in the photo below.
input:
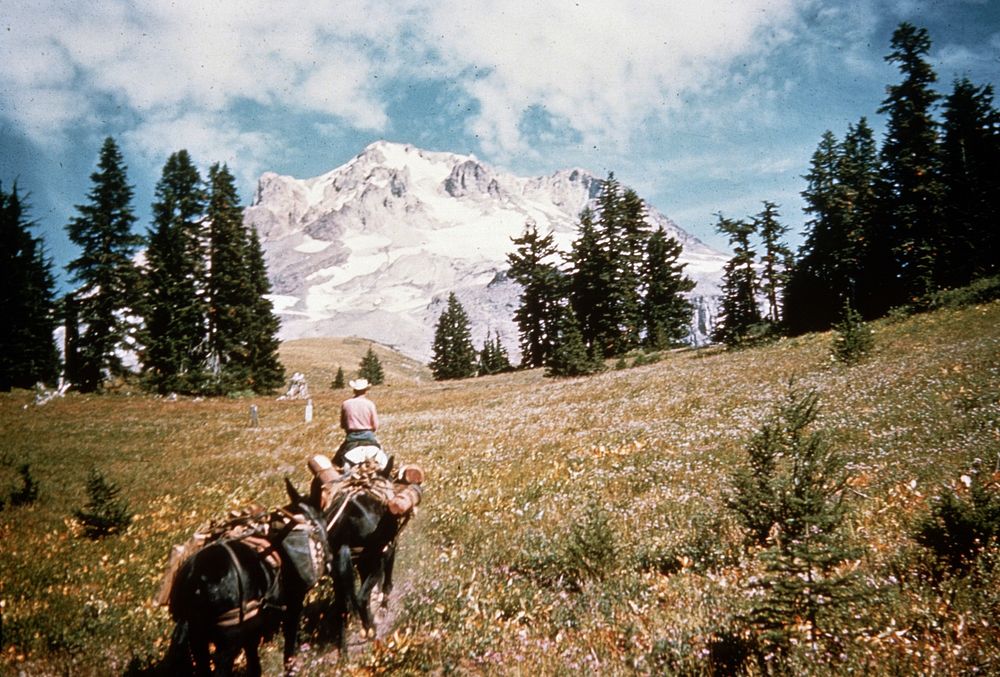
(199, 652)
(250, 648)
(290, 629)
(388, 562)
(371, 573)
(224, 657)
(344, 595)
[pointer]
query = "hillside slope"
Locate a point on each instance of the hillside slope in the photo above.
(567, 526)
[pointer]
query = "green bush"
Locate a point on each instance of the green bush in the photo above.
(106, 512)
(789, 498)
(958, 528)
(852, 337)
(28, 491)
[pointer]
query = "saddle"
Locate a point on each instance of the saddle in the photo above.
(298, 544)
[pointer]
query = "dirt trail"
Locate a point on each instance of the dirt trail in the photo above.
(321, 658)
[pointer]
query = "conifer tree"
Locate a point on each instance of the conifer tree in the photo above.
(971, 176)
(371, 368)
(454, 355)
(533, 266)
(231, 296)
(570, 357)
(612, 285)
(27, 300)
(789, 496)
(809, 293)
(911, 165)
(493, 358)
(108, 296)
(852, 338)
(339, 379)
(864, 272)
(175, 277)
(666, 313)
(588, 280)
(775, 261)
(635, 234)
(266, 370)
(846, 254)
(738, 310)
(106, 511)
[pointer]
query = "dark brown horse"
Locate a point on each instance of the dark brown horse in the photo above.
(362, 535)
(234, 593)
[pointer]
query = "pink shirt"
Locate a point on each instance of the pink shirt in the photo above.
(358, 413)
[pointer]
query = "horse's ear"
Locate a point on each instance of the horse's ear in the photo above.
(293, 493)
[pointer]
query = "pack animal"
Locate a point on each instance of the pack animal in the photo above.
(362, 532)
(235, 593)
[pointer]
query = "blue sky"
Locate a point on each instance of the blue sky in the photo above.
(702, 107)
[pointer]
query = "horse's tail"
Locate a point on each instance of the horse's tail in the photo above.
(178, 659)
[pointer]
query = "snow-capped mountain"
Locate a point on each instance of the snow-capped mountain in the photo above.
(372, 248)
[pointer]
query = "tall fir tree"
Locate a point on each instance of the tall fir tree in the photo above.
(614, 285)
(533, 266)
(970, 149)
(454, 355)
(911, 165)
(666, 312)
(370, 368)
(863, 270)
(775, 261)
(28, 352)
(810, 295)
(176, 306)
(845, 255)
(108, 297)
(266, 371)
(231, 295)
(739, 313)
(242, 328)
(589, 264)
(635, 234)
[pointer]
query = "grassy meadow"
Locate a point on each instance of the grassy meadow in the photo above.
(568, 526)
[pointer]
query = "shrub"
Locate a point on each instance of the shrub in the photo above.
(371, 368)
(852, 337)
(106, 512)
(789, 499)
(28, 491)
(959, 527)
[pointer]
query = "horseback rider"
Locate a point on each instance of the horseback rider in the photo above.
(359, 420)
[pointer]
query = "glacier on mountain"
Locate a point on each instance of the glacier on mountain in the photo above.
(373, 247)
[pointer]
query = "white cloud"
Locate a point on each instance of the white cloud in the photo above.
(166, 56)
(208, 138)
(602, 67)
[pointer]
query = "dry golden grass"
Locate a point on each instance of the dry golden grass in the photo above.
(318, 359)
(517, 466)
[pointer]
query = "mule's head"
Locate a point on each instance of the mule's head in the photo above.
(311, 517)
(300, 504)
